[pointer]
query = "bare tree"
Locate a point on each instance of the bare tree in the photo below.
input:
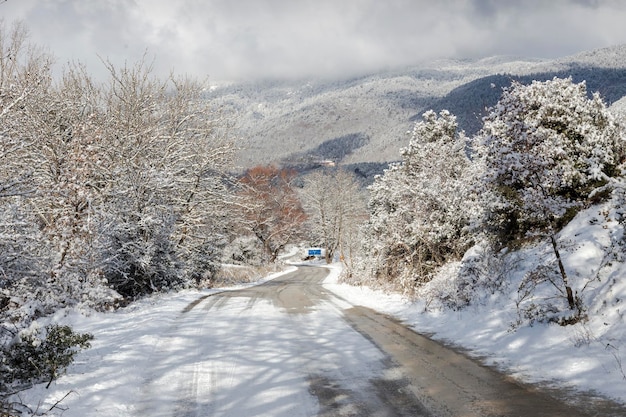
(168, 153)
(335, 206)
(123, 180)
(24, 79)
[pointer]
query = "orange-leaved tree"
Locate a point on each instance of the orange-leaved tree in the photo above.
(270, 207)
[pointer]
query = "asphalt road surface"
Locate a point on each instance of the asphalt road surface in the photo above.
(292, 348)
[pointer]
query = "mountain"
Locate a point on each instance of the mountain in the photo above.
(362, 122)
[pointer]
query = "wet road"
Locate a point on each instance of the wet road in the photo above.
(292, 348)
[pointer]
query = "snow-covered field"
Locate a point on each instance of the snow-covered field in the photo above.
(106, 380)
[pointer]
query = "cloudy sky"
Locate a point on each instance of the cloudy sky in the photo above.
(244, 39)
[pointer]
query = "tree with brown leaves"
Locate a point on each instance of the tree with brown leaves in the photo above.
(270, 208)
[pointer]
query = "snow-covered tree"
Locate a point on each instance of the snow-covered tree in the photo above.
(167, 154)
(64, 157)
(24, 256)
(335, 206)
(28, 202)
(419, 207)
(121, 181)
(547, 148)
(101, 185)
(24, 76)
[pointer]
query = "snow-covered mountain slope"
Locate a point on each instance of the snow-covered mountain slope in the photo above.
(280, 121)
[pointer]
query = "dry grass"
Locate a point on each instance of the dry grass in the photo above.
(240, 274)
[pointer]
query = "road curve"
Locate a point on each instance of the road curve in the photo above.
(292, 348)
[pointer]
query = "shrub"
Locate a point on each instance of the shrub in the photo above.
(38, 355)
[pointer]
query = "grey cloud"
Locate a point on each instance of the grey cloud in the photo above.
(228, 39)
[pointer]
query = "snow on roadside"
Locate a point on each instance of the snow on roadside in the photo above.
(589, 356)
(106, 379)
(570, 356)
(585, 356)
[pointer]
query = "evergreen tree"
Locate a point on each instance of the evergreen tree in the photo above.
(418, 208)
(546, 148)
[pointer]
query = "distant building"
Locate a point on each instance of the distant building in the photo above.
(326, 163)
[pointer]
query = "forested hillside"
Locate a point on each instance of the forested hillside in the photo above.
(282, 122)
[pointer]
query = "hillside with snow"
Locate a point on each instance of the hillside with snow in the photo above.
(286, 122)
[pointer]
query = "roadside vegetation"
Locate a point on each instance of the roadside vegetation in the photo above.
(448, 220)
(108, 192)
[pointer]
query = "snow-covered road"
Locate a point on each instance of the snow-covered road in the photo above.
(279, 349)
(291, 348)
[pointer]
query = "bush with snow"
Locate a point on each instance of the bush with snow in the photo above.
(39, 355)
(546, 147)
(419, 208)
(244, 250)
(141, 257)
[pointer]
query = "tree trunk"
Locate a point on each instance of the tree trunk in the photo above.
(568, 289)
(329, 255)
